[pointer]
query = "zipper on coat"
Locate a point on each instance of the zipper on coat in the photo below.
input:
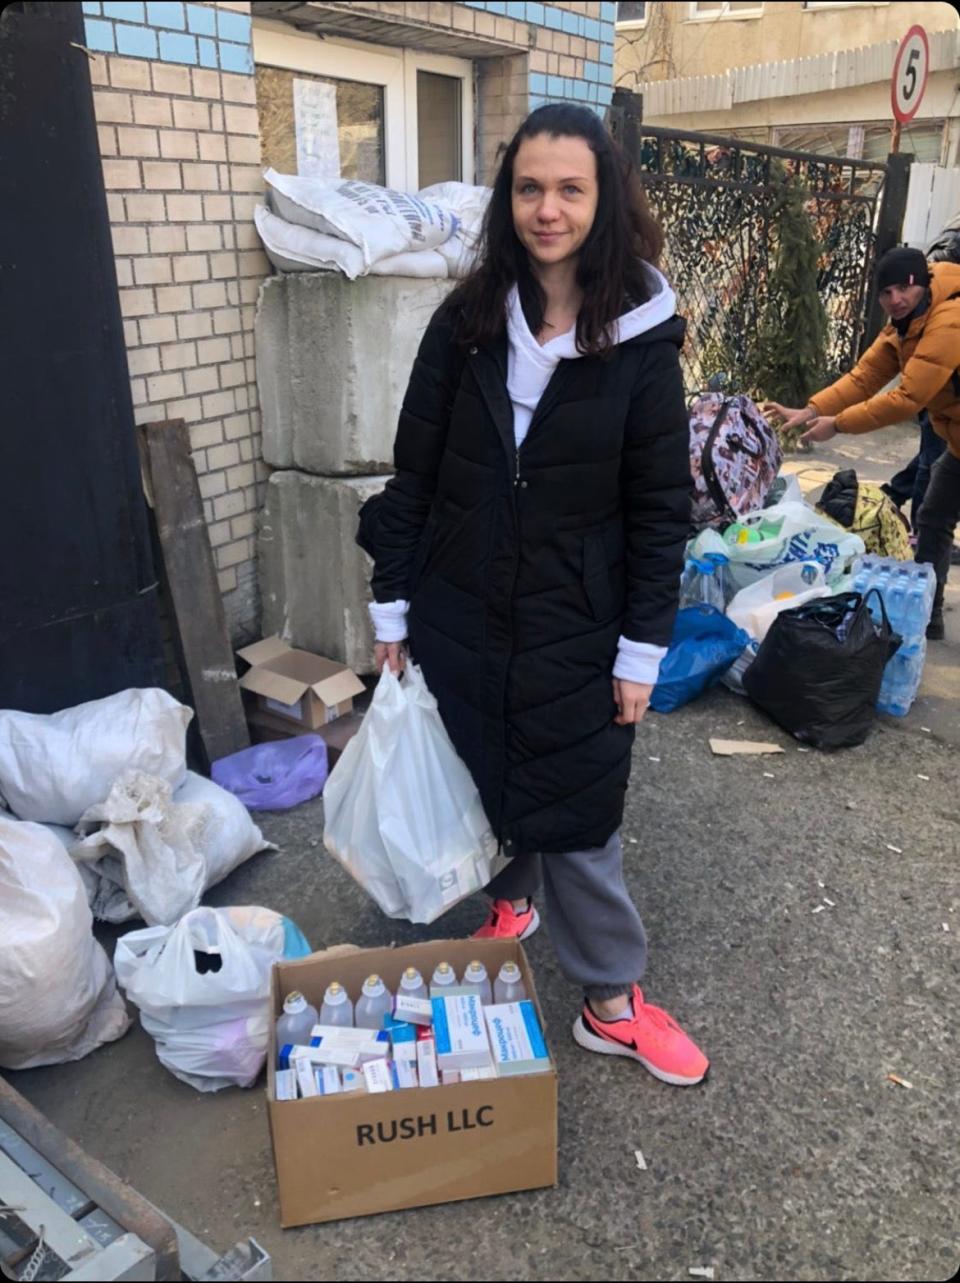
(516, 472)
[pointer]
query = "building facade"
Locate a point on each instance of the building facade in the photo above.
(193, 100)
(812, 75)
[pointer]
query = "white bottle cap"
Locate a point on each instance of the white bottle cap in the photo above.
(475, 971)
(509, 973)
(373, 986)
(411, 979)
(444, 974)
(294, 1003)
(335, 993)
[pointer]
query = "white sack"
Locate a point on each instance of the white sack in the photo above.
(424, 262)
(54, 766)
(469, 203)
(378, 220)
(293, 248)
(211, 1029)
(221, 828)
(58, 998)
(154, 853)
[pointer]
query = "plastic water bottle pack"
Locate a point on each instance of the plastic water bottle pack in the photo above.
(907, 590)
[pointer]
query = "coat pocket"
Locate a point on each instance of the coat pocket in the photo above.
(422, 554)
(597, 581)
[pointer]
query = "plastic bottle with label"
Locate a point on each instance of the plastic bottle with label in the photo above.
(297, 1021)
(337, 1009)
(412, 984)
(509, 986)
(375, 1002)
(475, 977)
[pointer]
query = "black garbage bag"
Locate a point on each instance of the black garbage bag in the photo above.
(819, 669)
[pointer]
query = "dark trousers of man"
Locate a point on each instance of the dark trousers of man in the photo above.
(938, 520)
(911, 482)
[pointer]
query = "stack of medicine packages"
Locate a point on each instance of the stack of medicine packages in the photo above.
(461, 1032)
(907, 589)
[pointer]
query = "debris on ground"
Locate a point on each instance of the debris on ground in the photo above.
(901, 1082)
(730, 748)
(641, 1161)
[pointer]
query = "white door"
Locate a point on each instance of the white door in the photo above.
(341, 108)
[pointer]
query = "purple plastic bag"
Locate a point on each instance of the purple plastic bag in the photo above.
(275, 776)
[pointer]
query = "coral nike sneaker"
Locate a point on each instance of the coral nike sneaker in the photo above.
(505, 923)
(648, 1035)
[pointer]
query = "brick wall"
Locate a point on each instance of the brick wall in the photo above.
(175, 103)
(181, 164)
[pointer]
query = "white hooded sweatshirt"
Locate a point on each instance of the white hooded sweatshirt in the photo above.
(530, 366)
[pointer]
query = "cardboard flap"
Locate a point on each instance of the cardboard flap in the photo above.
(334, 690)
(287, 690)
(262, 652)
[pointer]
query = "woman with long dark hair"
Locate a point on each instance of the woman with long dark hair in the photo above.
(531, 541)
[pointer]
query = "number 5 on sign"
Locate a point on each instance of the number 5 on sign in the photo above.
(910, 69)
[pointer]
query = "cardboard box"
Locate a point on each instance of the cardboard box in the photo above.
(355, 1154)
(298, 686)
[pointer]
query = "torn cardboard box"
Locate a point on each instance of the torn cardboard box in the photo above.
(298, 686)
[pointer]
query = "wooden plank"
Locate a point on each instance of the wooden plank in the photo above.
(192, 588)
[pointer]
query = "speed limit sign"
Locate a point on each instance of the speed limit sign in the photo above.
(910, 69)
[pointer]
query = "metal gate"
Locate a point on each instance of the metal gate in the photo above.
(716, 199)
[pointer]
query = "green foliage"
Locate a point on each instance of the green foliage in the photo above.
(788, 359)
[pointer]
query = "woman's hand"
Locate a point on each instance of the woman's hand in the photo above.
(632, 700)
(822, 429)
(391, 653)
(791, 418)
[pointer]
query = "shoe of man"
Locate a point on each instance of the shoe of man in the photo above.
(646, 1034)
(935, 627)
(504, 922)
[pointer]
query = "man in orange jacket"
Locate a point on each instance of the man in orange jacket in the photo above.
(921, 343)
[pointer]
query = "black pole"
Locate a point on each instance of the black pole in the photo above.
(893, 204)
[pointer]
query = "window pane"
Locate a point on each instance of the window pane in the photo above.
(631, 11)
(744, 4)
(439, 130)
(709, 6)
(321, 126)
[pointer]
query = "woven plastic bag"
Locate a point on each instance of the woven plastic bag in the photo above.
(403, 814)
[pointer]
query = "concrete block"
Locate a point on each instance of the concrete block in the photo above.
(314, 580)
(333, 361)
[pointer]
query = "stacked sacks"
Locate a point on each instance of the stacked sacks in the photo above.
(359, 228)
(162, 835)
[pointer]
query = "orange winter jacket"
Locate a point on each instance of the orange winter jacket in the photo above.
(928, 360)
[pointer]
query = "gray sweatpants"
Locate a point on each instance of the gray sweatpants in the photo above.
(594, 925)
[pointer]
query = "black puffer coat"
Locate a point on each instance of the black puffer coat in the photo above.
(524, 567)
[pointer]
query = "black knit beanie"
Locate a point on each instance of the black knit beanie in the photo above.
(902, 266)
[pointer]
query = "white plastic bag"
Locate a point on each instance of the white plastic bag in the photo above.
(154, 853)
(402, 813)
(378, 220)
(755, 608)
(211, 1027)
(58, 999)
(54, 766)
(801, 534)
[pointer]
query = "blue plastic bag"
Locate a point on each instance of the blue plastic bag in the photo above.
(275, 776)
(704, 645)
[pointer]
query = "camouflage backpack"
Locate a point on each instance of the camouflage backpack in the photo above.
(734, 458)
